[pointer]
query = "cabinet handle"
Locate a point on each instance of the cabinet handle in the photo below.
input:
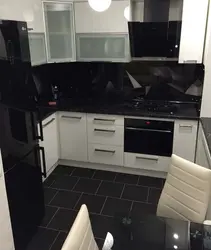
(30, 29)
(72, 117)
(105, 151)
(49, 122)
(147, 158)
(104, 120)
(189, 61)
(104, 130)
(185, 126)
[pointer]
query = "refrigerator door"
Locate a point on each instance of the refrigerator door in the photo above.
(25, 197)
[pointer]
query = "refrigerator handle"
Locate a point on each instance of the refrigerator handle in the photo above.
(44, 173)
(35, 135)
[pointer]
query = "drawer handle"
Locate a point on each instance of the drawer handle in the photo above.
(47, 123)
(104, 130)
(104, 120)
(147, 158)
(105, 151)
(185, 126)
(72, 117)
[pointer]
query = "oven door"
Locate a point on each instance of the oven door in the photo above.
(149, 137)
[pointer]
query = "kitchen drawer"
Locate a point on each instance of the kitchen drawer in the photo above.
(147, 162)
(98, 119)
(109, 135)
(105, 154)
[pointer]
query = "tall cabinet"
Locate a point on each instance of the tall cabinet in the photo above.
(59, 31)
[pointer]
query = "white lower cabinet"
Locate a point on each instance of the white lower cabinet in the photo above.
(106, 154)
(73, 136)
(146, 162)
(185, 133)
(203, 157)
(50, 142)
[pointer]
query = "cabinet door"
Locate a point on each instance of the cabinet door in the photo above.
(59, 30)
(112, 20)
(185, 133)
(102, 47)
(73, 136)
(194, 19)
(50, 142)
(37, 48)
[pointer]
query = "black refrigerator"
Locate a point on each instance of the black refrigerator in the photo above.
(20, 132)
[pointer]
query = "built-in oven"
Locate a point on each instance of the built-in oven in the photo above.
(151, 137)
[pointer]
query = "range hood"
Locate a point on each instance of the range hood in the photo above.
(155, 29)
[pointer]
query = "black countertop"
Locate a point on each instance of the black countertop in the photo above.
(187, 112)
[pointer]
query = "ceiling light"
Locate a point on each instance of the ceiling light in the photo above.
(176, 236)
(175, 247)
(127, 13)
(99, 5)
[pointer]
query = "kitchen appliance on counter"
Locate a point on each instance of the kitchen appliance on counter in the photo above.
(149, 137)
(19, 137)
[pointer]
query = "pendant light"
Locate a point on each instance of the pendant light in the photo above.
(99, 5)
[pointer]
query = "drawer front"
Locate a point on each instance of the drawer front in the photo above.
(108, 120)
(112, 155)
(108, 135)
(147, 162)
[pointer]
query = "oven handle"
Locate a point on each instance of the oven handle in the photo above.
(150, 130)
(147, 158)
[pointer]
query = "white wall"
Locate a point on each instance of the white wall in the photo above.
(206, 97)
(6, 237)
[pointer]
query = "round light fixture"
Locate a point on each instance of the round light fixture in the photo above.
(127, 13)
(175, 247)
(176, 236)
(99, 5)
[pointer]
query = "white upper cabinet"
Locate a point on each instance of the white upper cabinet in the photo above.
(112, 20)
(29, 11)
(59, 31)
(194, 19)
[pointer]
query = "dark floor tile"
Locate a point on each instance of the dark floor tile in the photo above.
(99, 242)
(49, 213)
(83, 172)
(139, 210)
(94, 202)
(150, 181)
(65, 199)
(154, 195)
(57, 245)
(43, 239)
(87, 185)
(114, 207)
(50, 180)
(49, 193)
(104, 175)
(111, 189)
(65, 182)
(136, 193)
(63, 220)
(63, 170)
(126, 178)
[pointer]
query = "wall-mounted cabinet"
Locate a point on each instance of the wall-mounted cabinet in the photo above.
(102, 47)
(37, 48)
(59, 31)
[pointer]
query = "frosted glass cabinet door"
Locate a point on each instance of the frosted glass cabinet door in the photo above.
(102, 47)
(37, 48)
(59, 30)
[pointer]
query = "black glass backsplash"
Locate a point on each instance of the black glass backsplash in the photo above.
(163, 81)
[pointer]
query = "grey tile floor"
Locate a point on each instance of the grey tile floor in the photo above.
(105, 194)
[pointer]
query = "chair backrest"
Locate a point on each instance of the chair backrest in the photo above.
(186, 191)
(81, 235)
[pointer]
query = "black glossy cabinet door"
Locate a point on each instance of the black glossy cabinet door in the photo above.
(26, 199)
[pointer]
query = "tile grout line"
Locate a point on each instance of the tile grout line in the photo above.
(52, 218)
(148, 194)
(137, 184)
(53, 229)
(52, 183)
(131, 207)
(103, 205)
(54, 241)
(78, 200)
(53, 196)
(92, 178)
(98, 187)
(122, 191)
(75, 184)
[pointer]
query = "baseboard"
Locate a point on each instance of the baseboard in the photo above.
(112, 168)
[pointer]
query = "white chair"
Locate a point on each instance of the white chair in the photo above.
(81, 236)
(186, 192)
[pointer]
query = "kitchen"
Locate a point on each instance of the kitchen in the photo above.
(103, 102)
